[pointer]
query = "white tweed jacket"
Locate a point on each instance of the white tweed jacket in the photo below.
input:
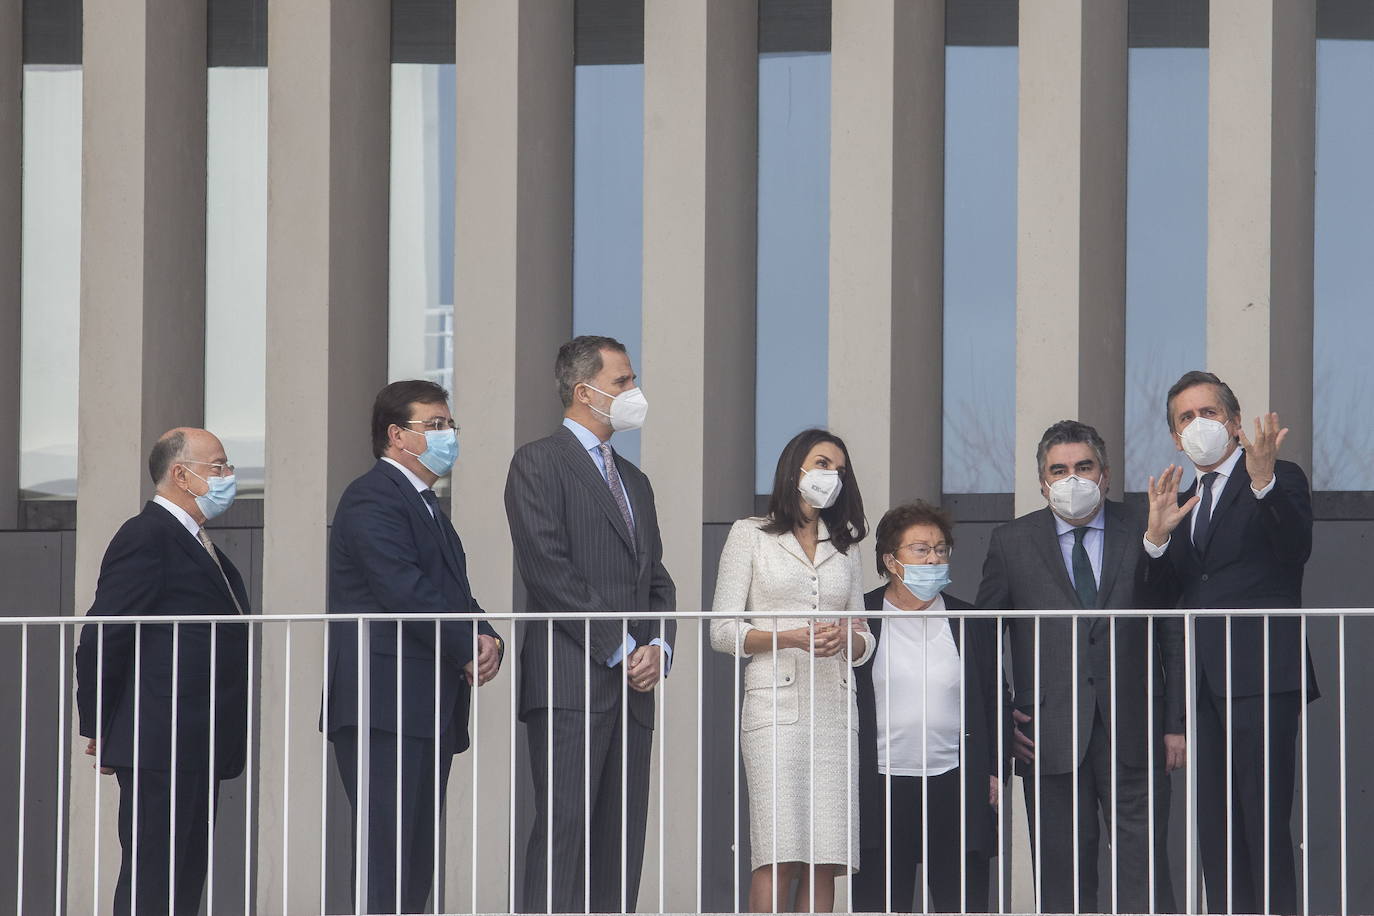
(771, 572)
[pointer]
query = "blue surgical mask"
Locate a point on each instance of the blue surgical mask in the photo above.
(441, 450)
(925, 580)
(218, 498)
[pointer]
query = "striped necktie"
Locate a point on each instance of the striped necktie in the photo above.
(204, 537)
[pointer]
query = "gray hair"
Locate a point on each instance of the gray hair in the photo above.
(1197, 377)
(579, 361)
(1066, 432)
(166, 452)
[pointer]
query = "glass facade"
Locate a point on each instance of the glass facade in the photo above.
(980, 269)
(793, 254)
(50, 284)
(1166, 246)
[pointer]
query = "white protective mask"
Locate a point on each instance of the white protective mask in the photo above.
(820, 487)
(628, 409)
(1205, 441)
(1074, 497)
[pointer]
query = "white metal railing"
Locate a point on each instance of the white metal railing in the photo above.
(509, 792)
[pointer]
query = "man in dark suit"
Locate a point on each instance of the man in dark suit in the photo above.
(1082, 552)
(163, 562)
(586, 538)
(393, 551)
(1247, 537)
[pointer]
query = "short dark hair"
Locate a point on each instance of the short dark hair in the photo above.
(845, 519)
(164, 454)
(392, 407)
(579, 361)
(1065, 432)
(1193, 379)
(898, 519)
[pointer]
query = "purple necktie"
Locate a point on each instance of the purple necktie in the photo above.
(617, 490)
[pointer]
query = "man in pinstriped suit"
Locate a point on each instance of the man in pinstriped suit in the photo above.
(586, 538)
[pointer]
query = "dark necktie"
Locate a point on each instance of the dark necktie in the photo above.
(1204, 512)
(432, 500)
(1083, 582)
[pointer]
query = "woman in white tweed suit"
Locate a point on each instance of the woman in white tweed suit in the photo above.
(803, 557)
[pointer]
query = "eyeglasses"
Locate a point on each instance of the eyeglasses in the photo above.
(923, 551)
(219, 469)
(437, 424)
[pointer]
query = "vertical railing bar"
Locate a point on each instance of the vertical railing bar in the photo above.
(811, 761)
(925, 765)
(172, 775)
(1073, 763)
(703, 639)
(1035, 727)
(362, 863)
(659, 699)
(548, 770)
(514, 729)
(99, 723)
(849, 782)
(963, 768)
(63, 743)
(1150, 758)
(138, 698)
(324, 767)
(735, 703)
(1230, 796)
(624, 759)
(1190, 776)
(24, 759)
(400, 771)
(774, 783)
(887, 748)
(434, 881)
(1149, 774)
(1002, 809)
(286, 778)
(210, 793)
(476, 760)
(587, 766)
(1268, 789)
(248, 786)
(1302, 720)
(1341, 729)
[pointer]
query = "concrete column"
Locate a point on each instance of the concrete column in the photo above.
(141, 362)
(887, 154)
(1260, 176)
(11, 145)
(327, 214)
(1071, 229)
(512, 309)
(700, 225)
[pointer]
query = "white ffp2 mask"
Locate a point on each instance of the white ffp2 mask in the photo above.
(1074, 497)
(820, 487)
(1204, 441)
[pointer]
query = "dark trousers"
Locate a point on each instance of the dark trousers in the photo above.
(1246, 808)
(417, 813)
(567, 807)
(1131, 813)
(942, 842)
(156, 841)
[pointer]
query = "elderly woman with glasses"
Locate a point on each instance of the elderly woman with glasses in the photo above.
(928, 774)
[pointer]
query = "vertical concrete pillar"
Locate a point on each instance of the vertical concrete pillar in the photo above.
(512, 309)
(887, 154)
(141, 362)
(327, 214)
(1071, 229)
(11, 145)
(700, 227)
(1260, 184)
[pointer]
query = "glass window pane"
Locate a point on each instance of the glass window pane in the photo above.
(608, 214)
(1166, 246)
(1342, 383)
(423, 168)
(50, 290)
(793, 253)
(980, 268)
(236, 267)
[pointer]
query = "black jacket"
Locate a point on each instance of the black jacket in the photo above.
(979, 649)
(389, 555)
(155, 566)
(1253, 557)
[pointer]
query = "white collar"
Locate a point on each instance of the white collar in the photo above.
(1223, 470)
(589, 439)
(180, 515)
(936, 609)
(1098, 521)
(419, 485)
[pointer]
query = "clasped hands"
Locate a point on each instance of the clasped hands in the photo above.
(488, 661)
(824, 639)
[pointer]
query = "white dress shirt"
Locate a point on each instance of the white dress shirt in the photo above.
(1092, 543)
(592, 443)
(180, 515)
(917, 667)
(419, 485)
(1223, 472)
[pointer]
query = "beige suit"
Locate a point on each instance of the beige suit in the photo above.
(786, 726)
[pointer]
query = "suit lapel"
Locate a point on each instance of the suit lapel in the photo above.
(1238, 481)
(196, 551)
(437, 527)
(583, 468)
(1048, 545)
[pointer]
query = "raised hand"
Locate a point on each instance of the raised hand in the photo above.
(1165, 512)
(1261, 453)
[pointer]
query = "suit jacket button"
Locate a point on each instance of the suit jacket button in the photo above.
(1204, 577)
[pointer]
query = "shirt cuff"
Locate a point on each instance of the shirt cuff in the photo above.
(620, 654)
(1260, 494)
(1155, 552)
(667, 653)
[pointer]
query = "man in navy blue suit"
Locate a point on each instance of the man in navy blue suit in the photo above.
(162, 561)
(393, 551)
(1239, 537)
